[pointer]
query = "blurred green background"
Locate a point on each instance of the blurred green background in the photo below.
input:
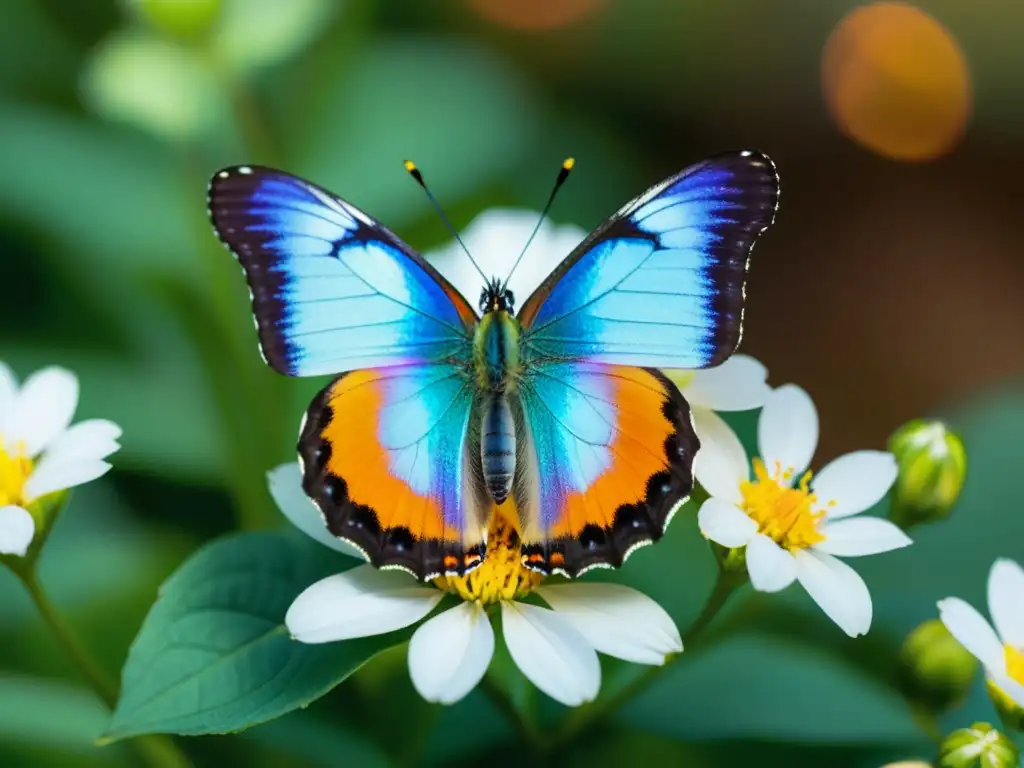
(891, 287)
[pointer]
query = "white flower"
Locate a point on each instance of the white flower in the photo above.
(1000, 650)
(496, 238)
(40, 453)
(793, 533)
(556, 648)
(738, 384)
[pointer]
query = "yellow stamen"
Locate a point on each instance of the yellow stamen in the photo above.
(501, 576)
(1014, 663)
(15, 469)
(785, 514)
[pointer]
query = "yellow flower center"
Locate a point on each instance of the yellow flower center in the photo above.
(15, 469)
(501, 575)
(1015, 663)
(783, 513)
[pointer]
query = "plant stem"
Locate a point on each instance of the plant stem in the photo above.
(80, 657)
(158, 751)
(585, 717)
(525, 727)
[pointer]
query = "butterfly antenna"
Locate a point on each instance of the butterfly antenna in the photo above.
(410, 166)
(563, 174)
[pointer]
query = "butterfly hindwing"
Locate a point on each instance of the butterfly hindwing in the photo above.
(332, 289)
(605, 456)
(661, 283)
(386, 458)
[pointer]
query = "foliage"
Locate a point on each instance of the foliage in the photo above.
(112, 271)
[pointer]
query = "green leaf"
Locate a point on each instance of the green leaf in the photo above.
(49, 713)
(214, 655)
(481, 115)
(616, 746)
(169, 422)
(168, 89)
(122, 195)
(757, 687)
(318, 741)
(258, 33)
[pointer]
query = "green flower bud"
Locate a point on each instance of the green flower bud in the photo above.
(1010, 712)
(182, 19)
(935, 671)
(980, 746)
(932, 467)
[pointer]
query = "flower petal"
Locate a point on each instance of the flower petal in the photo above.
(855, 482)
(449, 654)
(721, 463)
(55, 475)
(787, 431)
(8, 396)
(725, 523)
(495, 238)
(616, 620)
(1010, 687)
(89, 439)
(972, 632)
(45, 406)
(16, 530)
(771, 567)
(359, 603)
(861, 536)
(552, 654)
(1006, 601)
(837, 589)
(285, 482)
(738, 384)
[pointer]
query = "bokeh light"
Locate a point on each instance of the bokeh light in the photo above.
(534, 15)
(896, 81)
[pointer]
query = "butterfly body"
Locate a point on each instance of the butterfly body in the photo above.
(440, 411)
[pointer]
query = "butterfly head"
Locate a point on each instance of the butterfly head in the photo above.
(496, 297)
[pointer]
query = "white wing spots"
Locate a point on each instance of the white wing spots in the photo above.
(245, 170)
(223, 175)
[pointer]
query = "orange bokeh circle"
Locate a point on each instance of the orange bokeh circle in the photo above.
(896, 81)
(534, 15)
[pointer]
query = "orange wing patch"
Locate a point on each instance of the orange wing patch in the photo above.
(629, 503)
(350, 475)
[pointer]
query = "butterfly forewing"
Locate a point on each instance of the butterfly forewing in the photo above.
(334, 291)
(659, 285)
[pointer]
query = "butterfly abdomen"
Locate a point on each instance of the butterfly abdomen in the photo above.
(498, 448)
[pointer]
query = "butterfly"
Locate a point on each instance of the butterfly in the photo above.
(439, 410)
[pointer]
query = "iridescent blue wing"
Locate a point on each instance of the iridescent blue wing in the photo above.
(660, 284)
(332, 289)
(605, 457)
(387, 457)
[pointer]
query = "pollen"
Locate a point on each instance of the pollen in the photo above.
(501, 575)
(786, 515)
(15, 469)
(1015, 663)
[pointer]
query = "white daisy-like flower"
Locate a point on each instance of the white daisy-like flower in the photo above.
(556, 648)
(738, 384)
(496, 238)
(793, 526)
(999, 649)
(40, 452)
